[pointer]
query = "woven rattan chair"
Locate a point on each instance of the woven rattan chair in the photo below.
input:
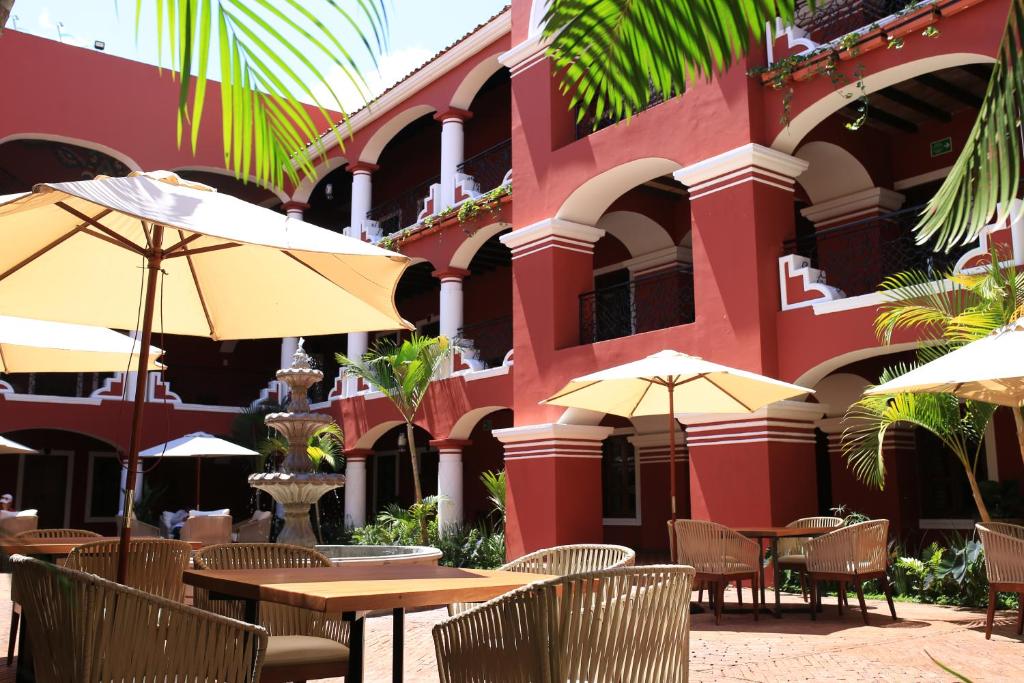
(303, 644)
(793, 552)
(58, 534)
(85, 628)
(622, 624)
(155, 565)
(1004, 565)
(720, 556)
(140, 529)
(850, 555)
(14, 525)
(207, 529)
(562, 560)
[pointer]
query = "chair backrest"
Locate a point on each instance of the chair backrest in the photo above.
(855, 549)
(711, 548)
(58, 534)
(140, 529)
(208, 529)
(85, 628)
(18, 524)
(795, 546)
(1004, 551)
(279, 620)
(561, 630)
(155, 565)
(573, 559)
(256, 529)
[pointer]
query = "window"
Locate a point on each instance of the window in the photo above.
(619, 489)
(104, 487)
(945, 492)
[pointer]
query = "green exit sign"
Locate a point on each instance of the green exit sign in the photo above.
(940, 147)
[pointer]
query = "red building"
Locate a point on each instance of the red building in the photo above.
(709, 223)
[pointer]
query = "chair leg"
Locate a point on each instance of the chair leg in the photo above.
(739, 591)
(12, 639)
(803, 584)
(700, 593)
(860, 599)
(888, 596)
(840, 593)
(719, 587)
(991, 614)
(754, 583)
(1020, 614)
(812, 589)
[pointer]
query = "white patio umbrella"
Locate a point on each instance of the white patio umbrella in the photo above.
(670, 382)
(41, 346)
(197, 446)
(152, 248)
(8, 447)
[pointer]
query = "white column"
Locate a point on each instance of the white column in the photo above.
(358, 343)
(290, 344)
(294, 209)
(449, 482)
(124, 482)
(362, 196)
(355, 489)
(452, 152)
(451, 301)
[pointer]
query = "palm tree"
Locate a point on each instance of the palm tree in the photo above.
(960, 426)
(403, 371)
(614, 54)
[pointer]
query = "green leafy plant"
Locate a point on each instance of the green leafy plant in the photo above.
(494, 482)
(403, 372)
(326, 446)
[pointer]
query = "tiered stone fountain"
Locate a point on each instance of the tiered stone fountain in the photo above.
(296, 486)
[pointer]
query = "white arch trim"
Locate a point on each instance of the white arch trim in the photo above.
(639, 233)
(375, 145)
(371, 436)
(839, 391)
(833, 172)
(306, 186)
(811, 377)
(805, 121)
(537, 10)
(463, 256)
(474, 80)
(590, 200)
(88, 144)
(277, 192)
(465, 425)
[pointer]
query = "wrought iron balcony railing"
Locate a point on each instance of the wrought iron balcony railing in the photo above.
(492, 339)
(857, 256)
(402, 211)
(489, 167)
(649, 302)
(836, 18)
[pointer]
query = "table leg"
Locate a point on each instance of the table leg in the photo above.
(252, 612)
(26, 670)
(397, 645)
(355, 646)
(760, 568)
(776, 579)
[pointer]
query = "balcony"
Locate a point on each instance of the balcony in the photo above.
(586, 125)
(649, 302)
(492, 339)
(490, 166)
(836, 18)
(857, 256)
(403, 210)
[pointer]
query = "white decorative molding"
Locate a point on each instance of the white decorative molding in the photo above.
(923, 178)
(655, 260)
(848, 207)
(780, 166)
(6, 388)
(524, 55)
(1014, 224)
(552, 233)
(779, 413)
(811, 281)
(797, 39)
(552, 432)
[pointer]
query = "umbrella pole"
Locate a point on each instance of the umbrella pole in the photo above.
(153, 264)
(672, 447)
(199, 463)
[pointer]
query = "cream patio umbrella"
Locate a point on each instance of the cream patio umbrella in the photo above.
(670, 382)
(41, 346)
(153, 248)
(197, 446)
(8, 447)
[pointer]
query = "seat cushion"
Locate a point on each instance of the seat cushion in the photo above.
(793, 559)
(295, 650)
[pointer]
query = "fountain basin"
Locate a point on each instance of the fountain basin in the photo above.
(380, 555)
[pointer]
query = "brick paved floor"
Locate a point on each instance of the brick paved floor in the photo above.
(789, 649)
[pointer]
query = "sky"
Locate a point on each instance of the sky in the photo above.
(417, 29)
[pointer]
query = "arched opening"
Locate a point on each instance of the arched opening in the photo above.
(330, 201)
(409, 164)
(488, 135)
(390, 470)
(73, 481)
(485, 453)
(417, 297)
(487, 302)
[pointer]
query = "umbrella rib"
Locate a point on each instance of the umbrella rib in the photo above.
(181, 244)
(202, 250)
(94, 222)
(48, 247)
(199, 291)
(726, 392)
(641, 399)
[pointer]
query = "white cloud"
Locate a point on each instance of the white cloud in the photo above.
(45, 22)
(393, 67)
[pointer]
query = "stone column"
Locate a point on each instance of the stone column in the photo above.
(355, 487)
(449, 481)
(294, 210)
(362, 196)
(452, 152)
(451, 301)
(553, 475)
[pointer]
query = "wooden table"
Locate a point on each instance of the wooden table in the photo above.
(352, 591)
(773, 534)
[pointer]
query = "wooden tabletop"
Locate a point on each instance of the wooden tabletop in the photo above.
(781, 531)
(350, 589)
(59, 546)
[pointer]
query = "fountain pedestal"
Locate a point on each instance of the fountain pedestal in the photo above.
(296, 486)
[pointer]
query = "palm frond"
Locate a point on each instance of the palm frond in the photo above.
(986, 176)
(266, 50)
(613, 55)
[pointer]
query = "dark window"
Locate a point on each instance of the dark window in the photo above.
(618, 478)
(106, 486)
(945, 492)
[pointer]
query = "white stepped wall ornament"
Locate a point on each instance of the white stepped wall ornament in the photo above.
(1007, 236)
(801, 285)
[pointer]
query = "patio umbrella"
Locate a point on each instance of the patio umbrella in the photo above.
(8, 447)
(197, 445)
(41, 346)
(990, 370)
(671, 382)
(104, 251)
